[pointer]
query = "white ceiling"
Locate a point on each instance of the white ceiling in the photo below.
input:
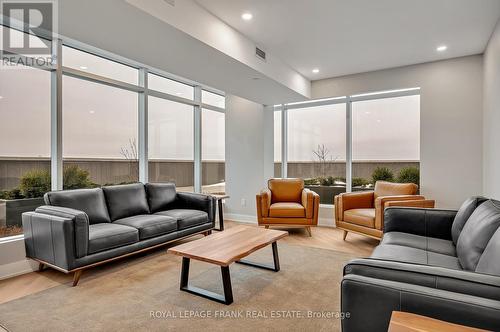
(342, 37)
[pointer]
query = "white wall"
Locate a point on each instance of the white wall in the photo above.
(248, 155)
(451, 120)
(491, 120)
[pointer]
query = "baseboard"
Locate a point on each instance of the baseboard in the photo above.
(241, 218)
(17, 268)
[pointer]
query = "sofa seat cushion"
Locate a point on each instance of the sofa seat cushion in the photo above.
(186, 218)
(287, 210)
(361, 217)
(416, 256)
(107, 236)
(150, 225)
(431, 244)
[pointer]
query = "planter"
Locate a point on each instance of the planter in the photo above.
(327, 193)
(11, 210)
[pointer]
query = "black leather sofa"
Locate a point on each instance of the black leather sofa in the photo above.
(78, 229)
(438, 263)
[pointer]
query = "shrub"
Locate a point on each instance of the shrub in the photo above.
(74, 177)
(327, 181)
(382, 174)
(311, 182)
(358, 182)
(409, 175)
(35, 183)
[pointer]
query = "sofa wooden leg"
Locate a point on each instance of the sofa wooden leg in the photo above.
(41, 267)
(308, 229)
(266, 227)
(207, 233)
(345, 235)
(76, 277)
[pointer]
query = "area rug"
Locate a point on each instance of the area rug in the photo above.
(142, 293)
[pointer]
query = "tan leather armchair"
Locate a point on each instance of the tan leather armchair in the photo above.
(363, 212)
(285, 202)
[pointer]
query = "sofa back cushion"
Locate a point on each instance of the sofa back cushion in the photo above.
(126, 200)
(160, 195)
(286, 190)
(463, 215)
(90, 201)
(477, 232)
(489, 262)
(384, 188)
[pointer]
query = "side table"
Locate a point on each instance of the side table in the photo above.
(219, 199)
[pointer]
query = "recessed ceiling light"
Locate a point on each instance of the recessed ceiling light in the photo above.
(91, 112)
(441, 48)
(247, 16)
(315, 70)
(1, 97)
(179, 93)
(83, 67)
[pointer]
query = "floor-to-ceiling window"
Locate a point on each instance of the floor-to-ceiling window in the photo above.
(348, 143)
(213, 152)
(96, 119)
(317, 148)
(385, 141)
(24, 143)
(171, 152)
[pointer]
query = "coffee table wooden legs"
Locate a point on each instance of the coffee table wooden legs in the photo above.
(227, 298)
(276, 260)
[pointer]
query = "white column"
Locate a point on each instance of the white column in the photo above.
(56, 165)
(197, 140)
(143, 127)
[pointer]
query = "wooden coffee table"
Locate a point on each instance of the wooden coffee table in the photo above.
(223, 249)
(408, 322)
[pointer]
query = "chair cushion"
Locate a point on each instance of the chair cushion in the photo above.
(286, 190)
(186, 218)
(477, 232)
(489, 261)
(150, 225)
(431, 244)
(464, 214)
(109, 235)
(383, 188)
(413, 255)
(362, 217)
(90, 201)
(287, 210)
(160, 195)
(126, 200)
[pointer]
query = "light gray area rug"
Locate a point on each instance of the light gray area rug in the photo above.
(142, 293)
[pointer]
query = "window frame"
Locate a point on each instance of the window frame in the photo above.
(348, 100)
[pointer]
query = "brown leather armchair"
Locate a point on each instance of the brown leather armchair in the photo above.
(363, 212)
(285, 202)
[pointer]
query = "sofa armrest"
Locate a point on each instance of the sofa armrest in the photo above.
(419, 221)
(51, 239)
(81, 225)
(382, 201)
(310, 201)
(371, 301)
(356, 200)
(458, 281)
(196, 201)
(263, 200)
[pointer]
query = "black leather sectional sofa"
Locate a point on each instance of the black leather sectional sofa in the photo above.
(437, 263)
(77, 229)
